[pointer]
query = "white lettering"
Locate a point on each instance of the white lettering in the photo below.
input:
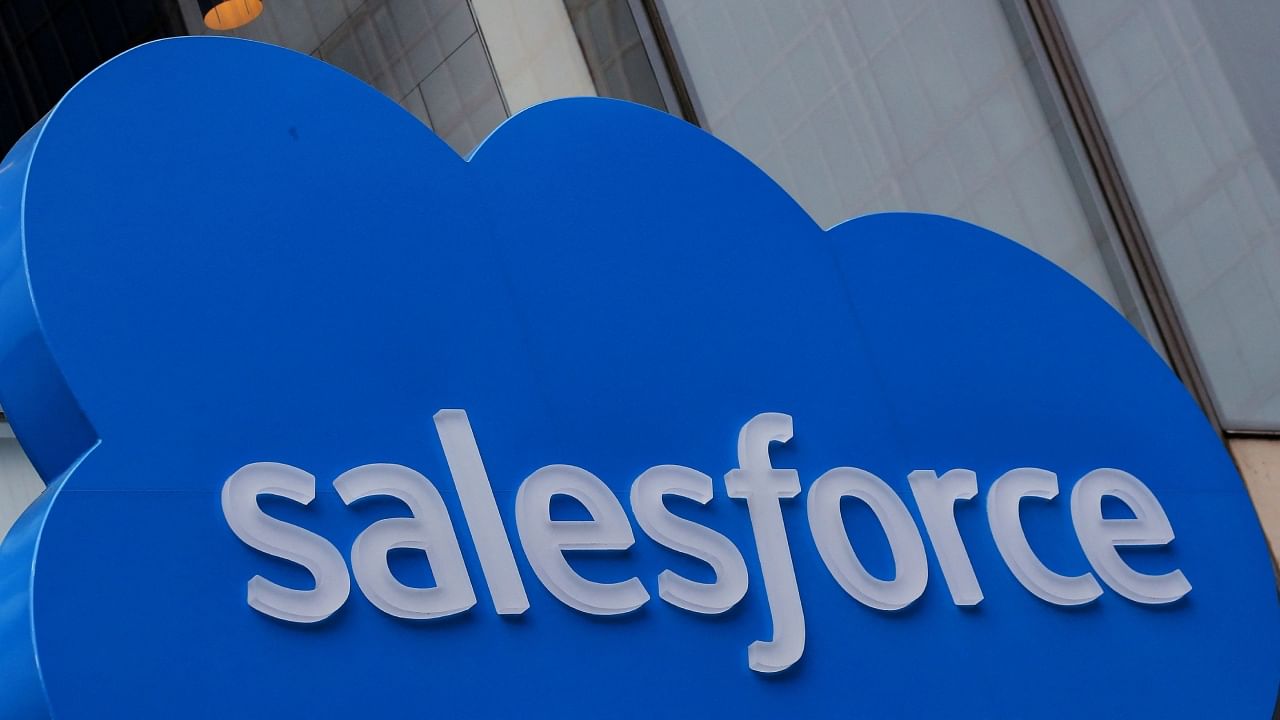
(936, 497)
(690, 538)
(1100, 536)
(284, 540)
(763, 487)
(545, 540)
(827, 525)
(429, 530)
(1003, 500)
(481, 512)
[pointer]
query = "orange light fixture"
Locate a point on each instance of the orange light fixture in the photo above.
(229, 14)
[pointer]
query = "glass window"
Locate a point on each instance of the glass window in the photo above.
(547, 49)
(426, 55)
(860, 106)
(1187, 91)
(534, 51)
(50, 44)
(614, 51)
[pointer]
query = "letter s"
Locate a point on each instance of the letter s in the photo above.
(284, 540)
(685, 536)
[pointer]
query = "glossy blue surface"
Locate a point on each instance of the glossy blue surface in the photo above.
(274, 262)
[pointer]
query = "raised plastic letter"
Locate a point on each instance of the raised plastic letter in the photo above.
(1003, 500)
(429, 530)
(284, 540)
(763, 487)
(1100, 536)
(481, 511)
(689, 538)
(545, 540)
(936, 497)
(911, 565)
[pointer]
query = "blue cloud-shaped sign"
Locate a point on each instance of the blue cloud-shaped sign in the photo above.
(233, 276)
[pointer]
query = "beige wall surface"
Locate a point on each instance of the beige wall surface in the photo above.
(1259, 462)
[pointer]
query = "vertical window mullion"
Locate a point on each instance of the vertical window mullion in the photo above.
(1118, 198)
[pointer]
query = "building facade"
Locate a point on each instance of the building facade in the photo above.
(1136, 144)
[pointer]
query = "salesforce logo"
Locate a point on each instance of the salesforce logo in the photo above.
(596, 421)
(755, 481)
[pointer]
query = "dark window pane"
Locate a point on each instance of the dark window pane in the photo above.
(139, 17)
(28, 14)
(106, 26)
(73, 33)
(614, 51)
(50, 61)
(57, 42)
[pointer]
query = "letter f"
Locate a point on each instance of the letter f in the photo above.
(763, 486)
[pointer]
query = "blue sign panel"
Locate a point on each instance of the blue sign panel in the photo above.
(597, 421)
